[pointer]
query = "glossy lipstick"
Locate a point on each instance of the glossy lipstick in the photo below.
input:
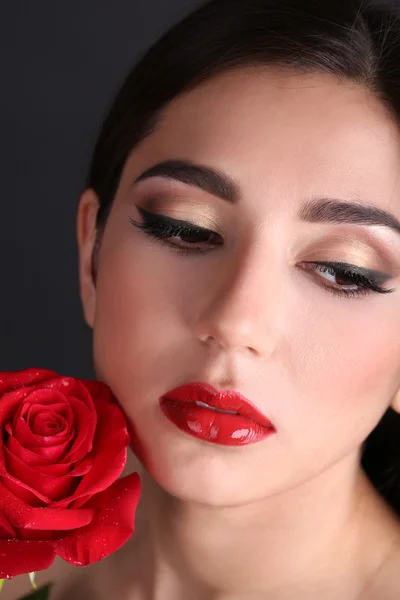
(226, 417)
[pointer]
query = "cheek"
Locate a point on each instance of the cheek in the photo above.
(138, 331)
(346, 368)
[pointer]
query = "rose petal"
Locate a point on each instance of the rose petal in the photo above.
(77, 470)
(47, 422)
(82, 467)
(21, 515)
(112, 526)
(41, 401)
(22, 493)
(44, 399)
(58, 408)
(27, 486)
(48, 488)
(34, 534)
(27, 455)
(85, 424)
(109, 452)
(19, 557)
(27, 439)
(69, 386)
(9, 402)
(41, 463)
(10, 380)
(6, 529)
(97, 389)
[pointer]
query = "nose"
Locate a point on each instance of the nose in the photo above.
(243, 308)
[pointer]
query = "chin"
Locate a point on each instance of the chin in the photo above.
(204, 490)
(192, 470)
(200, 477)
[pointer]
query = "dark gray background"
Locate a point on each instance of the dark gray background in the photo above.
(62, 63)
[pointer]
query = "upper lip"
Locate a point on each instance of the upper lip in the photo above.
(224, 400)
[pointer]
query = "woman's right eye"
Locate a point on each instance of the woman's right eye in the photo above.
(164, 229)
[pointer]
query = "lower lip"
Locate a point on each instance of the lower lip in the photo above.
(212, 426)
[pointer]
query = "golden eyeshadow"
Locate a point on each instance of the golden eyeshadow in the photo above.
(363, 247)
(353, 250)
(185, 209)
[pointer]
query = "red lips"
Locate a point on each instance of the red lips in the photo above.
(239, 424)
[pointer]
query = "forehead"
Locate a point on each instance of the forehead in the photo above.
(285, 131)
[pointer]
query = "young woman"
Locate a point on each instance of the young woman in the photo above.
(239, 248)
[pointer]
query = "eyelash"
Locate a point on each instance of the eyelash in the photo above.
(162, 228)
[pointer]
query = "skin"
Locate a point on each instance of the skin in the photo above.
(292, 516)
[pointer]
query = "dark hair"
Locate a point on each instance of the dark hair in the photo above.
(357, 40)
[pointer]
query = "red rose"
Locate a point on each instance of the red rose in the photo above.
(63, 445)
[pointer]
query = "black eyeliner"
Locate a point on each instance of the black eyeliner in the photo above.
(164, 220)
(377, 277)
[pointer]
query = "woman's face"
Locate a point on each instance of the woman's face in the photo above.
(252, 311)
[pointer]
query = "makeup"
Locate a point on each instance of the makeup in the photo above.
(225, 418)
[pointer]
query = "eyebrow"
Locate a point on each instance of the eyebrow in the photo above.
(206, 178)
(319, 210)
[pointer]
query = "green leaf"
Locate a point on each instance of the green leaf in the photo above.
(1, 583)
(40, 594)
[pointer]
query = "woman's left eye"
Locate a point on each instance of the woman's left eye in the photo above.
(348, 280)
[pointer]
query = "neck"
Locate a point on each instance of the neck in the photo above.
(310, 539)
